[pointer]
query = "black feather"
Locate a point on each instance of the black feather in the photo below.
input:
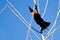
(43, 24)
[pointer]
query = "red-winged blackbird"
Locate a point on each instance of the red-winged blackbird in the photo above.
(43, 24)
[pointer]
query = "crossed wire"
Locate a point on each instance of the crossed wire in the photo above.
(17, 13)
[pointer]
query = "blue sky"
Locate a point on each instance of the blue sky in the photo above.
(11, 28)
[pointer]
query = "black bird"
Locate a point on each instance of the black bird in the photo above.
(43, 24)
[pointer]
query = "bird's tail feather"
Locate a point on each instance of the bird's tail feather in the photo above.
(46, 24)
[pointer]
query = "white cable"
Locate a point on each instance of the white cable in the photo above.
(43, 37)
(45, 9)
(29, 29)
(22, 21)
(17, 15)
(55, 19)
(36, 35)
(55, 26)
(34, 1)
(38, 6)
(3, 9)
(58, 14)
(30, 23)
(17, 11)
(30, 37)
(53, 31)
(52, 35)
(59, 5)
(34, 4)
(54, 22)
(43, 13)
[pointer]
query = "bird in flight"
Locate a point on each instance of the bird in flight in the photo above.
(43, 24)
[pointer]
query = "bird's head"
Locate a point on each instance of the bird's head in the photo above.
(33, 11)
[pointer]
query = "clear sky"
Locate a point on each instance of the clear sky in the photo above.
(11, 28)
